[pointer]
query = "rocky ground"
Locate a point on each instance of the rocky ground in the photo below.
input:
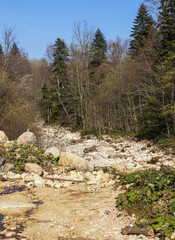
(65, 203)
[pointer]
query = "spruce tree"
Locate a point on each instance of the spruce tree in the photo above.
(1, 57)
(46, 104)
(166, 27)
(143, 24)
(1, 50)
(98, 49)
(60, 85)
(14, 50)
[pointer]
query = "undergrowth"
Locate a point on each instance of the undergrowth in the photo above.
(151, 197)
(20, 154)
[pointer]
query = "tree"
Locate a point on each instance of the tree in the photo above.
(14, 50)
(60, 85)
(98, 49)
(79, 64)
(1, 57)
(1, 50)
(166, 27)
(45, 104)
(143, 25)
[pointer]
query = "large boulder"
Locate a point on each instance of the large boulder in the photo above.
(54, 151)
(70, 159)
(33, 167)
(3, 137)
(27, 138)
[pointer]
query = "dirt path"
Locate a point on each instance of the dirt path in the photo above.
(77, 212)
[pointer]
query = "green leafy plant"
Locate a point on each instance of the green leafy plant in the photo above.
(151, 197)
(20, 154)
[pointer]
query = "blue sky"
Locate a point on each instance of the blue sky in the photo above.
(38, 23)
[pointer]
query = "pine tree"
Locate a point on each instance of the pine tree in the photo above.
(60, 85)
(143, 25)
(1, 50)
(46, 104)
(1, 57)
(98, 49)
(14, 50)
(166, 27)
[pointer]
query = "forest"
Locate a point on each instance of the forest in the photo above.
(96, 85)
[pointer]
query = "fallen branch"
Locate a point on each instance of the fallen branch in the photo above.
(65, 179)
(137, 231)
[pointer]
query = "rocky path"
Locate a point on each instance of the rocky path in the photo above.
(75, 212)
(74, 205)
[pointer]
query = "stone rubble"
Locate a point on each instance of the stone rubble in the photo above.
(124, 153)
(77, 202)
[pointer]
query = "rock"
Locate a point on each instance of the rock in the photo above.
(39, 182)
(33, 167)
(53, 151)
(2, 161)
(27, 138)
(120, 167)
(6, 167)
(173, 235)
(89, 167)
(3, 137)
(69, 159)
(91, 183)
(15, 207)
(10, 234)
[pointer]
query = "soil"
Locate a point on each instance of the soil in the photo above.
(79, 212)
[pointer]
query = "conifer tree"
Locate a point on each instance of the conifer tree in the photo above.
(1, 57)
(45, 104)
(60, 86)
(14, 50)
(166, 27)
(1, 50)
(143, 24)
(98, 49)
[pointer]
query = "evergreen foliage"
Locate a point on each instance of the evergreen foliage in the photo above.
(143, 25)
(14, 50)
(1, 50)
(166, 27)
(98, 49)
(59, 65)
(54, 101)
(45, 104)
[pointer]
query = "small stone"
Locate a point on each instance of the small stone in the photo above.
(54, 151)
(91, 183)
(73, 174)
(173, 235)
(39, 182)
(33, 167)
(9, 234)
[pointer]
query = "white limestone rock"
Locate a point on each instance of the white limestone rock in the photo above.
(27, 138)
(54, 151)
(70, 159)
(33, 167)
(3, 137)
